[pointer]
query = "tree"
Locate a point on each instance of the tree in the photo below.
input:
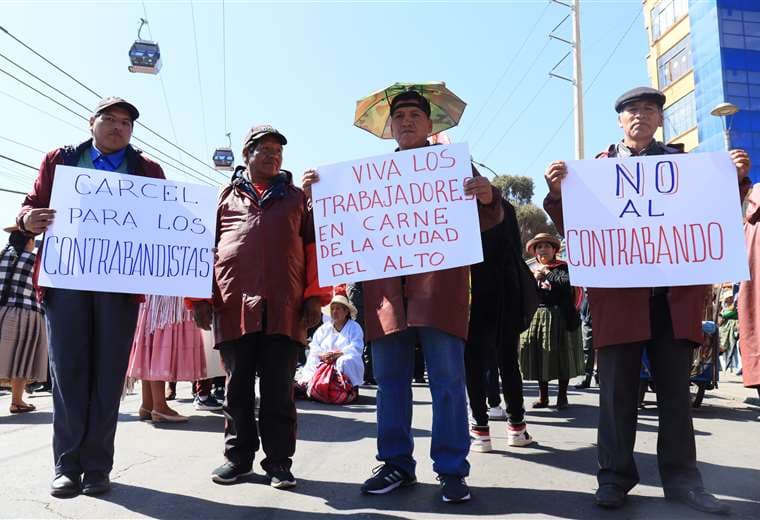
(531, 219)
(517, 189)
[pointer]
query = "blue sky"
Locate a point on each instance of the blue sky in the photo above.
(302, 65)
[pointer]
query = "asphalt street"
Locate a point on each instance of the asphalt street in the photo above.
(164, 471)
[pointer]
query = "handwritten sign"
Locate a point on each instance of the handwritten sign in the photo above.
(395, 214)
(654, 221)
(129, 234)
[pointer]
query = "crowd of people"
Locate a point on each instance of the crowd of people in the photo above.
(498, 319)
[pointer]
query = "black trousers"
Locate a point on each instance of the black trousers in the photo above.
(493, 391)
(619, 367)
(482, 345)
(90, 338)
(588, 348)
(274, 358)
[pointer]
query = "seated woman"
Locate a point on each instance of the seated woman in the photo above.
(338, 342)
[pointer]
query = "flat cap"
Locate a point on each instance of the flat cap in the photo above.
(113, 101)
(257, 132)
(639, 94)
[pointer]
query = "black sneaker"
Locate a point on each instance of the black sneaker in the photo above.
(281, 478)
(228, 473)
(454, 489)
(385, 478)
(219, 393)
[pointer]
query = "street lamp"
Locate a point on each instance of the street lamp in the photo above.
(724, 111)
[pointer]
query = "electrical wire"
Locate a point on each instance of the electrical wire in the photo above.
(204, 178)
(512, 92)
(516, 119)
(21, 144)
(200, 82)
(80, 83)
(224, 62)
(528, 37)
(585, 90)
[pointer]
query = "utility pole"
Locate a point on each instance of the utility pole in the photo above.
(577, 79)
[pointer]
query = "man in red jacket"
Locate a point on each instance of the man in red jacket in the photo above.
(431, 309)
(664, 320)
(90, 332)
(265, 296)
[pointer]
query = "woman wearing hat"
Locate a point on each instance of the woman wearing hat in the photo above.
(23, 337)
(339, 341)
(551, 347)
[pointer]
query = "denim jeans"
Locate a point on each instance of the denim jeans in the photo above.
(393, 360)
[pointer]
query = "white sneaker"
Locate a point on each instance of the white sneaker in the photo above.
(497, 413)
(480, 439)
(518, 436)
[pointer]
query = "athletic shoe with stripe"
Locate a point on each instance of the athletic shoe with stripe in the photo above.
(385, 478)
(454, 489)
(480, 438)
(518, 436)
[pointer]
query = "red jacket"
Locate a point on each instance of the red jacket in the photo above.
(266, 262)
(39, 197)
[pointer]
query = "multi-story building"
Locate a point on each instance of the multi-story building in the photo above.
(703, 53)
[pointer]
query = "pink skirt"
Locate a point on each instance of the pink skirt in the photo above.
(173, 353)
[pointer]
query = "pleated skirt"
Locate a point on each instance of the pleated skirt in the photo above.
(548, 350)
(23, 344)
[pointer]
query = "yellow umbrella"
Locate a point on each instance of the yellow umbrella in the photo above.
(373, 112)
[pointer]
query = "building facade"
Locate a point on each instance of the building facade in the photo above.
(703, 53)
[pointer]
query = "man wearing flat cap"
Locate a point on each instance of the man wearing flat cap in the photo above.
(90, 332)
(265, 295)
(431, 309)
(664, 320)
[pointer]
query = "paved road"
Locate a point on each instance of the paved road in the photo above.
(163, 472)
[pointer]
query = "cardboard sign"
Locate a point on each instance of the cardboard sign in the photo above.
(654, 221)
(397, 214)
(128, 234)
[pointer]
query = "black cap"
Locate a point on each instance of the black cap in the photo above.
(259, 131)
(410, 98)
(113, 101)
(640, 94)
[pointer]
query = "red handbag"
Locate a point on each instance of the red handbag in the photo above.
(330, 387)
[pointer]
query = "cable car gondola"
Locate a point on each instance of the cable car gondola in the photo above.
(144, 55)
(223, 157)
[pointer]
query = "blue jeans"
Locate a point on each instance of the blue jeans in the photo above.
(393, 363)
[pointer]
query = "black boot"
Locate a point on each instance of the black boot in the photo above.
(562, 394)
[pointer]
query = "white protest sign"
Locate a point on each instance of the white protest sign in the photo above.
(129, 234)
(653, 221)
(397, 214)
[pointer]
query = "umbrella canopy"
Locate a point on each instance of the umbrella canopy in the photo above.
(373, 112)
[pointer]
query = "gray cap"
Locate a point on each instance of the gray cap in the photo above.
(113, 101)
(639, 94)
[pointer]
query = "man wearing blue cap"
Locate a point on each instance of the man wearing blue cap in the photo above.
(664, 320)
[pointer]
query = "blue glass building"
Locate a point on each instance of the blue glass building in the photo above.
(703, 53)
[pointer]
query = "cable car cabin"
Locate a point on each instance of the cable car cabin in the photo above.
(223, 159)
(145, 57)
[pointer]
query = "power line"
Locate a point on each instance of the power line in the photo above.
(203, 177)
(21, 144)
(224, 62)
(163, 85)
(516, 119)
(200, 82)
(511, 93)
(528, 38)
(78, 82)
(11, 159)
(28, 105)
(12, 191)
(588, 87)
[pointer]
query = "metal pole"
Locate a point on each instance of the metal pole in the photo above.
(726, 135)
(578, 80)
